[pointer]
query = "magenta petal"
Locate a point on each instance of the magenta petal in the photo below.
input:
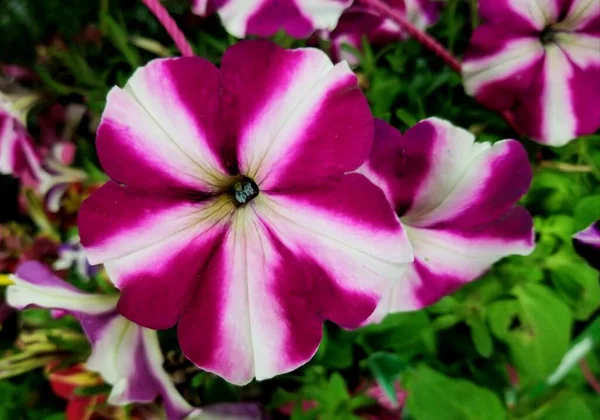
(163, 277)
(456, 199)
(360, 21)
(18, 156)
(262, 298)
(587, 244)
(162, 130)
(294, 114)
(118, 220)
(298, 18)
(491, 185)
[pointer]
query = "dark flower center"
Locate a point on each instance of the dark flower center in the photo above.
(548, 35)
(243, 190)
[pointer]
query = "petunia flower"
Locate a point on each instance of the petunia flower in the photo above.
(540, 61)
(71, 255)
(126, 355)
(55, 178)
(587, 244)
(456, 200)
(361, 21)
(18, 156)
(232, 211)
(298, 18)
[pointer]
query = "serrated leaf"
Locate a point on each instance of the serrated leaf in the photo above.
(434, 396)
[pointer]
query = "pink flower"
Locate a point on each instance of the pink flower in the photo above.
(126, 355)
(361, 20)
(539, 60)
(298, 18)
(587, 244)
(456, 200)
(18, 156)
(232, 209)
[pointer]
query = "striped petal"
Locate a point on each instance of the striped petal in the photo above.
(456, 199)
(291, 110)
(300, 258)
(161, 131)
(524, 15)
(587, 244)
(36, 286)
(547, 76)
(298, 18)
(362, 21)
(500, 68)
(126, 355)
(561, 103)
(18, 156)
(152, 246)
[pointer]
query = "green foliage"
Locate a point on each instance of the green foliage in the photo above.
(433, 396)
(536, 337)
(528, 315)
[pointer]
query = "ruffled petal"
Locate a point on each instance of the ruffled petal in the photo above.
(129, 357)
(456, 199)
(126, 355)
(360, 21)
(583, 16)
(298, 119)
(36, 286)
(587, 244)
(523, 15)
(499, 68)
(290, 262)
(152, 247)
(487, 189)
(418, 169)
(161, 131)
(298, 18)
(18, 156)
(561, 103)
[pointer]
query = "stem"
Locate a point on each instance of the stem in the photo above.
(430, 43)
(170, 26)
(565, 167)
(589, 376)
(422, 37)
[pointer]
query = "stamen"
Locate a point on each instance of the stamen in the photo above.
(243, 191)
(548, 35)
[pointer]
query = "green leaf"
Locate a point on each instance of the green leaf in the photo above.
(402, 333)
(481, 336)
(563, 407)
(536, 327)
(586, 212)
(120, 39)
(386, 369)
(433, 396)
(578, 284)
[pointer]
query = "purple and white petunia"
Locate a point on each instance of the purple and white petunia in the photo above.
(55, 177)
(232, 211)
(587, 244)
(456, 200)
(126, 355)
(71, 255)
(18, 156)
(361, 20)
(298, 18)
(540, 61)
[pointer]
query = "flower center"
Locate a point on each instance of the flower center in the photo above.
(243, 190)
(548, 35)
